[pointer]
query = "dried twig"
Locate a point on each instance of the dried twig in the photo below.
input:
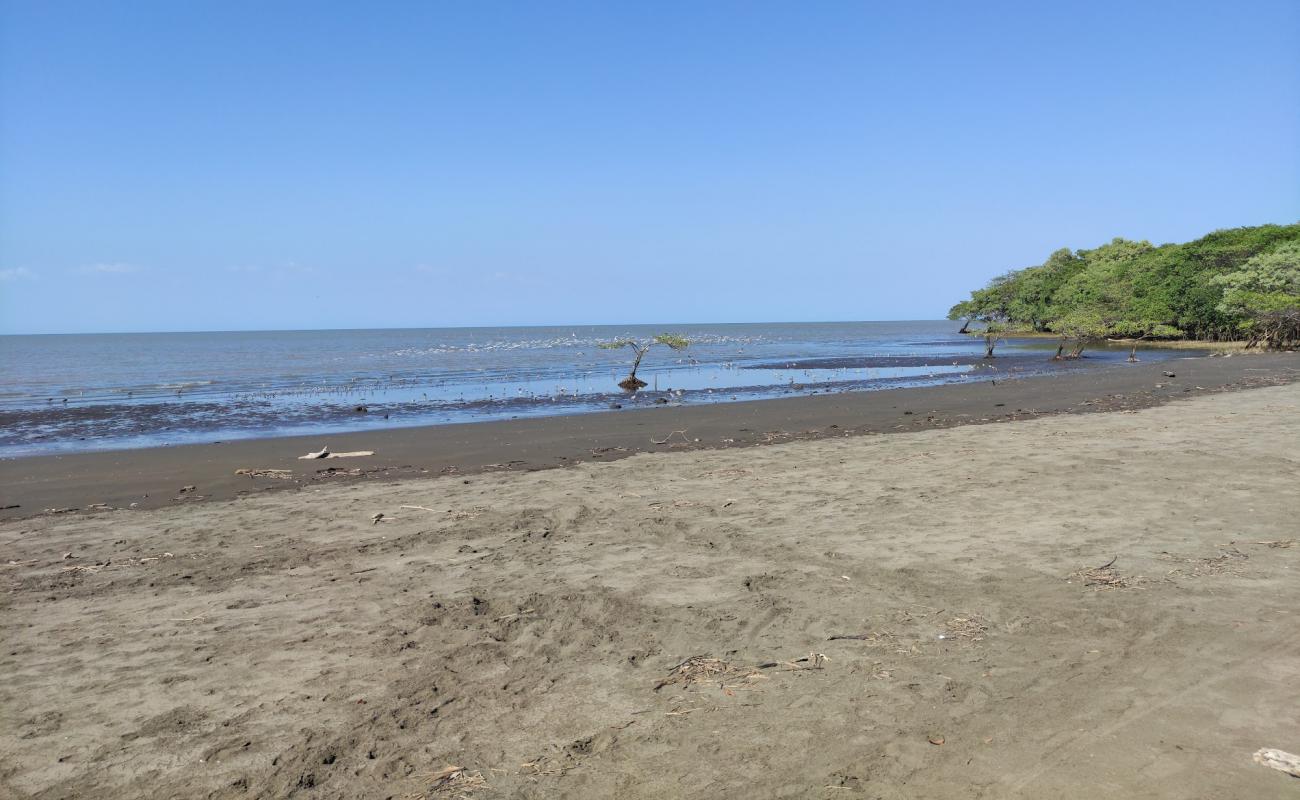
(1104, 576)
(698, 669)
(266, 473)
(457, 779)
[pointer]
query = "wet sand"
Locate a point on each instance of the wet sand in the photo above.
(151, 478)
(913, 615)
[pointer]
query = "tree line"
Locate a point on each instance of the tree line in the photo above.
(1237, 284)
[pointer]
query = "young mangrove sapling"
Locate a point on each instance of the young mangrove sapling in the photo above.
(632, 383)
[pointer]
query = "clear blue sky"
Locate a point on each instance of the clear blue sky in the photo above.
(230, 165)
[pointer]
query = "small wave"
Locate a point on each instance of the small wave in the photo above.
(181, 385)
(559, 343)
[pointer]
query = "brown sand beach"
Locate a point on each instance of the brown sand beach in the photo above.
(1066, 605)
(649, 401)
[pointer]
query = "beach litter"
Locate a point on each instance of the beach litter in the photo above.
(1279, 760)
(667, 438)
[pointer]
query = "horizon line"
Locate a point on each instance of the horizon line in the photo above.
(464, 327)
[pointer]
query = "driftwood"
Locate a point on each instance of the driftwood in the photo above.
(324, 452)
(1279, 760)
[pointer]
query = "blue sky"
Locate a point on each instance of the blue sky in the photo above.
(235, 165)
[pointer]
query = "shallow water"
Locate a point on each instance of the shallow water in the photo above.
(83, 392)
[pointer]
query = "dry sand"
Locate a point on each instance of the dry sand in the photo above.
(526, 627)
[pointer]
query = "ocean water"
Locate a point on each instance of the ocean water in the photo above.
(69, 393)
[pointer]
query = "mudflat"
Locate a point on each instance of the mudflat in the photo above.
(1073, 606)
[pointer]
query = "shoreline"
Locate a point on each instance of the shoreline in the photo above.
(1004, 607)
(201, 391)
(163, 476)
(1208, 345)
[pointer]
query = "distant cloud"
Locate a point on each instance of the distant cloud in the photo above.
(291, 269)
(108, 269)
(465, 276)
(17, 274)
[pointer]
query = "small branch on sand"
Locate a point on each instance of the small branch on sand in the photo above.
(420, 508)
(813, 660)
(265, 473)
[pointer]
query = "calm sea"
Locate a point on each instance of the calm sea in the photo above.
(69, 393)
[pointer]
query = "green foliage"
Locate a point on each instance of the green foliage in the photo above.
(1265, 294)
(673, 341)
(1134, 289)
(670, 340)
